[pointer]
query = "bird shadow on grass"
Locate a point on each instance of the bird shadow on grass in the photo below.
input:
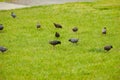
(97, 50)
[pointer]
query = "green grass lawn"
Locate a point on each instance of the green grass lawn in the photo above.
(1, 0)
(31, 57)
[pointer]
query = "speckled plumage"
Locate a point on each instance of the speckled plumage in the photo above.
(13, 14)
(57, 34)
(75, 29)
(38, 25)
(57, 25)
(1, 27)
(3, 49)
(55, 42)
(107, 48)
(104, 30)
(73, 40)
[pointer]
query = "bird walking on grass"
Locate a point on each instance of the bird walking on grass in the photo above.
(57, 25)
(38, 25)
(3, 49)
(75, 29)
(104, 30)
(107, 48)
(73, 40)
(57, 35)
(54, 42)
(1, 27)
(13, 14)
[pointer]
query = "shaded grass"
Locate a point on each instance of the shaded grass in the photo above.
(107, 4)
(31, 57)
(1, 0)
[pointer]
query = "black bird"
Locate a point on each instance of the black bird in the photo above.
(107, 48)
(57, 34)
(3, 49)
(38, 26)
(104, 30)
(13, 15)
(75, 29)
(55, 42)
(57, 25)
(1, 27)
(73, 40)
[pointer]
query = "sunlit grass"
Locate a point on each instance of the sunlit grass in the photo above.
(31, 57)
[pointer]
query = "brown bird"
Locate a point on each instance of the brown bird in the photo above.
(3, 49)
(1, 27)
(104, 30)
(57, 25)
(55, 42)
(75, 29)
(38, 25)
(107, 48)
(57, 34)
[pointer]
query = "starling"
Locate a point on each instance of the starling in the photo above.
(73, 40)
(38, 26)
(104, 30)
(57, 25)
(75, 29)
(1, 27)
(13, 15)
(3, 49)
(55, 42)
(57, 34)
(107, 48)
